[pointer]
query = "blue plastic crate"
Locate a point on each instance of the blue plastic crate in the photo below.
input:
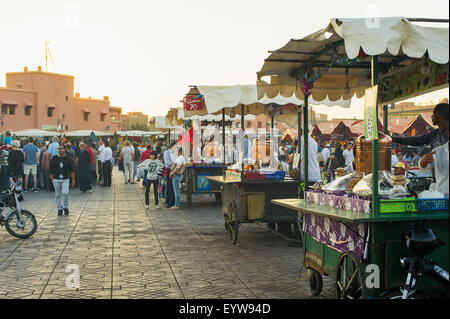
(275, 176)
(432, 204)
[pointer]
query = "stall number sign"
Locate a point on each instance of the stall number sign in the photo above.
(193, 103)
(370, 114)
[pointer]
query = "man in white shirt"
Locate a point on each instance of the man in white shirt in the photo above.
(101, 156)
(438, 158)
(313, 163)
(127, 156)
(106, 164)
(348, 154)
(326, 153)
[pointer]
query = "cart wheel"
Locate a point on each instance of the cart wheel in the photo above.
(218, 196)
(350, 278)
(315, 281)
(233, 224)
(271, 225)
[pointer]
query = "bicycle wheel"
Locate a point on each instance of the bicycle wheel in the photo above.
(21, 230)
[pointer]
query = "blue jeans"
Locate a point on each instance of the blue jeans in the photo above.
(176, 181)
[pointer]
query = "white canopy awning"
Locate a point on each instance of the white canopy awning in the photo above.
(35, 133)
(231, 98)
(138, 133)
(395, 40)
(86, 133)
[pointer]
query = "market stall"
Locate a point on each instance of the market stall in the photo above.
(355, 223)
(255, 178)
(35, 133)
(203, 158)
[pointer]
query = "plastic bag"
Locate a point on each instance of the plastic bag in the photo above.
(364, 186)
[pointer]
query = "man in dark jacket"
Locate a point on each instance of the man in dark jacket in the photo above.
(61, 169)
(436, 137)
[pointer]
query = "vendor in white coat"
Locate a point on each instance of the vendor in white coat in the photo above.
(313, 163)
(438, 158)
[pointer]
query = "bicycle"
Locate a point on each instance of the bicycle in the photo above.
(18, 222)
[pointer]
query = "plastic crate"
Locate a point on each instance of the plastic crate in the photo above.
(275, 176)
(404, 205)
(432, 204)
(255, 176)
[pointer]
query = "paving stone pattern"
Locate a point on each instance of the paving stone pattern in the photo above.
(123, 250)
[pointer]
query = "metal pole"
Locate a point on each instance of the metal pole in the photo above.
(169, 138)
(243, 146)
(385, 119)
(375, 202)
(299, 133)
(223, 141)
(305, 146)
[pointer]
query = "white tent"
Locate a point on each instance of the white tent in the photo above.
(392, 39)
(138, 133)
(86, 133)
(35, 133)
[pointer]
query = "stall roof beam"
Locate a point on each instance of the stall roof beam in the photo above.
(428, 20)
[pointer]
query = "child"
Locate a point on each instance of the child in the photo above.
(154, 169)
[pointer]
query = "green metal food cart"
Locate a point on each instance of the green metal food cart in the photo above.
(250, 201)
(350, 52)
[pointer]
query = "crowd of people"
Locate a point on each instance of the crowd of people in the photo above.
(58, 165)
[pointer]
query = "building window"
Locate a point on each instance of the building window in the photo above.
(113, 118)
(4, 108)
(259, 124)
(27, 110)
(249, 124)
(12, 109)
(67, 127)
(86, 116)
(102, 117)
(67, 98)
(50, 112)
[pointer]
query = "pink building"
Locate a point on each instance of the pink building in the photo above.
(44, 100)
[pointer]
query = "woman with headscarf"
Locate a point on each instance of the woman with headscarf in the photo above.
(84, 173)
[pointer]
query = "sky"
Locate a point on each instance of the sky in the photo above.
(144, 54)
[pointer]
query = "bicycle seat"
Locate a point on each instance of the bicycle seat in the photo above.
(421, 240)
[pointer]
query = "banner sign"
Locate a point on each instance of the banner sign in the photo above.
(193, 103)
(370, 114)
(417, 79)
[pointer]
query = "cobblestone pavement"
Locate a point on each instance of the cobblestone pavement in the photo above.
(125, 251)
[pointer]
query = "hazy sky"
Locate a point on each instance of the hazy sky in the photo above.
(144, 54)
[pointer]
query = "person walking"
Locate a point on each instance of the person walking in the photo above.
(93, 163)
(146, 154)
(326, 153)
(53, 147)
(31, 159)
(348, 155)
(61, 169)
(177, 175)
(107, 165)
(127, 156)
(84, 174)
(169, 158)
(154, 168)
(100, 160)
(45, 168)
(136, 159)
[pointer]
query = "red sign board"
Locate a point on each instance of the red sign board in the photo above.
(193, 103)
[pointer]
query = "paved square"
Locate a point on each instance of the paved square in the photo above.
(125, 251)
